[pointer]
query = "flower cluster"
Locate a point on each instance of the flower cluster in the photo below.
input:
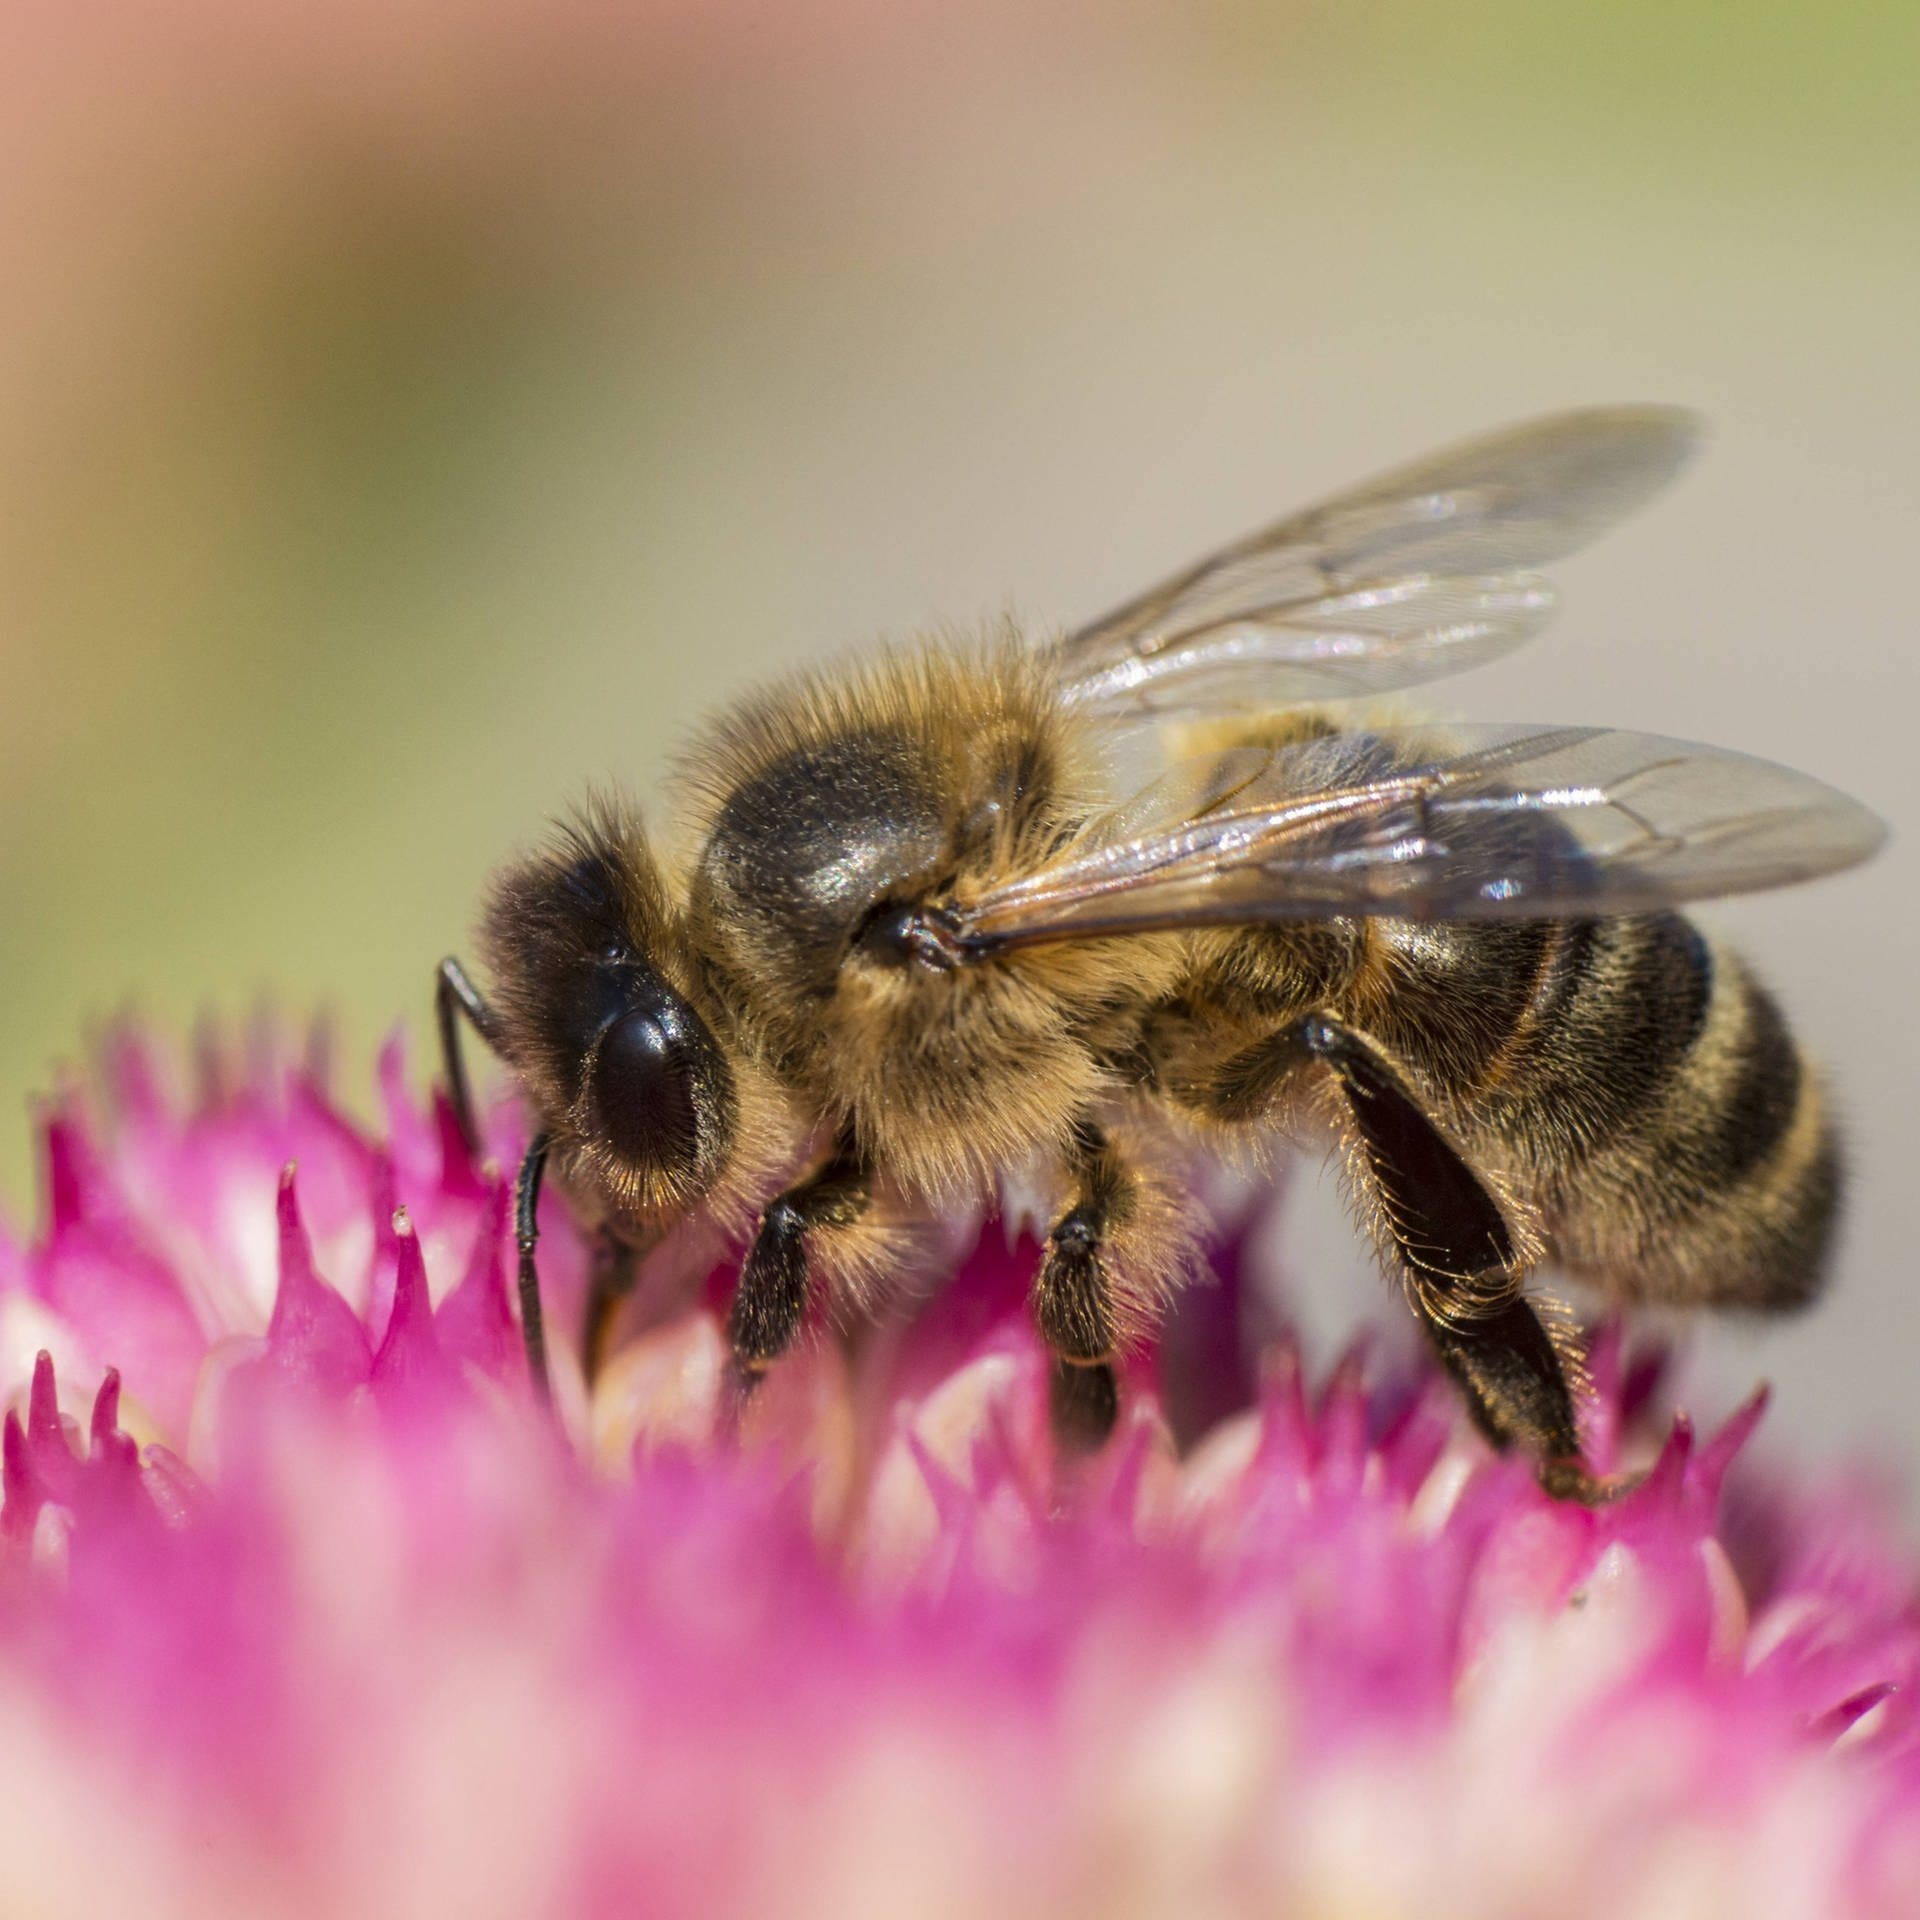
(308, 1607)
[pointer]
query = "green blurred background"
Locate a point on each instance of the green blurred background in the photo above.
(412, 412)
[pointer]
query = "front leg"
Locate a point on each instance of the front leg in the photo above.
(771, 1298)
(610, 1281)
(526, 1219)
(454, 997)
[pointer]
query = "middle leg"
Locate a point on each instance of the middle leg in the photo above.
(1121, 1245)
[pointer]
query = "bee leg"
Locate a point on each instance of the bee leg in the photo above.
(614, 1261)
(771, 1299)
(454, 995)
(1509, 1370)
(1073, 1301)
(1083, 1404)
(1458, 1256)
(526, 1207)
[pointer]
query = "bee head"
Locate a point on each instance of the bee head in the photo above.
(594, 989)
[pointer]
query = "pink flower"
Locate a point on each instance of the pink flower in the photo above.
(309, 1608)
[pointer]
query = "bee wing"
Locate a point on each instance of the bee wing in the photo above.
(1467, 823)
(1419, 573)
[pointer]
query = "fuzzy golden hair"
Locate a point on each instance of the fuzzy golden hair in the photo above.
(975, 774)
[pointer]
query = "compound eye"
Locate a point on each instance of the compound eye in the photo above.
(642, 1093)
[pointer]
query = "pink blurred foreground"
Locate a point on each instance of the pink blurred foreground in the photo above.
(306, 1609)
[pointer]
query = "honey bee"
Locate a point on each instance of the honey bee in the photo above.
(911, 940)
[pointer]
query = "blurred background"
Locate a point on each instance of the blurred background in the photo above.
(408, 413)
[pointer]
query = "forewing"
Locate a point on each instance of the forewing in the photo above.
(1419, 573)
(1465, 823)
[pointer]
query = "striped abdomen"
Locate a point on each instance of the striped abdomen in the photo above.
(1638, 1084)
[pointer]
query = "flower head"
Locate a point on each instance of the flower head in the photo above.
(308, 1607)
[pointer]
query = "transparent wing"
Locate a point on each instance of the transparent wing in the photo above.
(1461, 823)
(1422, 572)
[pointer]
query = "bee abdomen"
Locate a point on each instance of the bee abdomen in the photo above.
(1722, 1188)
(1557, 1038)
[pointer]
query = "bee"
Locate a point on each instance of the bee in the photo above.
(912, 938)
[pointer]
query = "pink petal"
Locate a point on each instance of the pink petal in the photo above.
(314, 1340)
(411, 1365)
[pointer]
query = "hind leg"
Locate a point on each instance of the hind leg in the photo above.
(1461, 1260)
